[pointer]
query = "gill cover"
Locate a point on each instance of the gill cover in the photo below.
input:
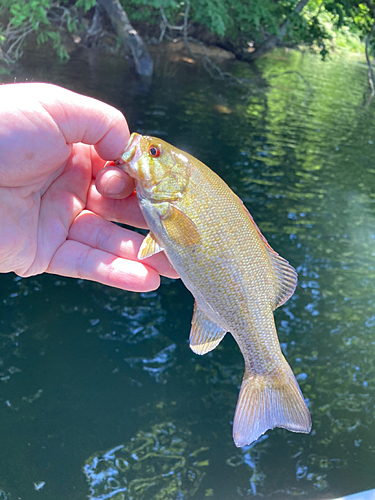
(162, 176)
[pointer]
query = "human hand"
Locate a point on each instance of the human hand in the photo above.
(53, 144)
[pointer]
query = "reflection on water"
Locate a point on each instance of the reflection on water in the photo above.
(85, 368)
(135, 322)
(158, 364)
(248, 457)
(158, 464)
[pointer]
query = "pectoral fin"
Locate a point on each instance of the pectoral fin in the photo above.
(149, 247)
(180, 227)
(205, 335)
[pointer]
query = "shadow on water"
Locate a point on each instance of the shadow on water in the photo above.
(100, 396)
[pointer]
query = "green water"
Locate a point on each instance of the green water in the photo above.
(100, 396)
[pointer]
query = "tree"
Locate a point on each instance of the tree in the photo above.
(249, 28)
(48, 20)
(18, 20)
(129, 36)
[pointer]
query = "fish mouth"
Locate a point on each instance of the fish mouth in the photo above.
(128, 155)
(131, 148)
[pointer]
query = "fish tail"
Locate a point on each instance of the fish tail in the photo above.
(268, 401)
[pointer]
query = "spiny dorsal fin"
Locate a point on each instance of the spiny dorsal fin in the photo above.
(205, 335)
(257, 228)
(180, 227)
(149, 247)
(285, 274)
(268, 401)
(285, 278)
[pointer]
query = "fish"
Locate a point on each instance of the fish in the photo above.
(235, 276)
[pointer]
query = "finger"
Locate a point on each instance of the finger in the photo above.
(97, 163)
(95, 232)
(125, 211)
(77, 260)
(81, 118)
(113, 182)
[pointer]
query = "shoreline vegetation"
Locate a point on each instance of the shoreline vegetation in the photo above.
(209, 30)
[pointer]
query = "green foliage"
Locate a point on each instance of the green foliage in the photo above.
(34, 12)
(323, 25)
(213, 13)
(222, 17)
(55, 38)
(149, 10)
(85, 4)
(338, 24)
(45, 19)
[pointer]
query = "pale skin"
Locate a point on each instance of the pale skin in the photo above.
(57, 200)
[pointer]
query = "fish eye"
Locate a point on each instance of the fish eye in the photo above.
(154, 151)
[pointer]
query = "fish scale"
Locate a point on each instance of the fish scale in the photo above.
(236, 278)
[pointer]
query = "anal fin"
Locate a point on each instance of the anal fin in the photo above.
(205, 334)
(266, 402)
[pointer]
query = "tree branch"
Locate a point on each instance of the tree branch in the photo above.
(129, 36)
(271, 42)
(370, 70)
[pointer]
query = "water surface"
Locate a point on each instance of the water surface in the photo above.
(100, 396)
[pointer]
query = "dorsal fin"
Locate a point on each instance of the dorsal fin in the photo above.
(256, 227)
(285, 274)
(285, 278)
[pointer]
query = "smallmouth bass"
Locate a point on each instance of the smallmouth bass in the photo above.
(236, 278)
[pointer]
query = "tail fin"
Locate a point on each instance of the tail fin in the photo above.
(266, 402)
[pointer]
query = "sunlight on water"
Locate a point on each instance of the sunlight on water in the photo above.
(84, 368)
(155, 464)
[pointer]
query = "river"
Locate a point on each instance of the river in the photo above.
(100, 395)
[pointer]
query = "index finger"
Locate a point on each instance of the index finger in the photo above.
(79, 118)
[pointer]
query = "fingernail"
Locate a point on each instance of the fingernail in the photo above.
(114, 186)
